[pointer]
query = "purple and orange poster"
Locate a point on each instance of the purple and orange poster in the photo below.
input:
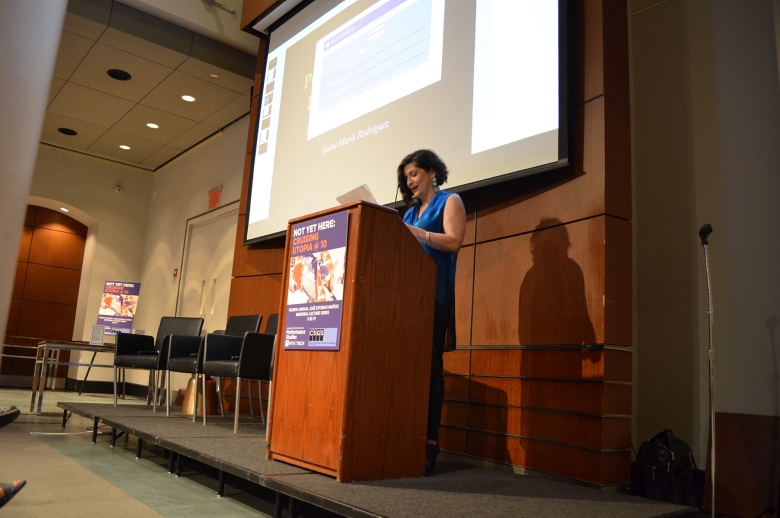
(315, 289)
(117, 306)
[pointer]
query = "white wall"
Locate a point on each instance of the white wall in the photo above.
(116, 222)
(706, 117)
(181, 192)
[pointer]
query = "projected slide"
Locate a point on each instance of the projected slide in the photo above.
(353, 86)
(385, 53)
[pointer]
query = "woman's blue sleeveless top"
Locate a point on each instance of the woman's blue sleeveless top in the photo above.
(432, 220)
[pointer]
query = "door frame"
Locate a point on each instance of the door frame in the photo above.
(189, 225)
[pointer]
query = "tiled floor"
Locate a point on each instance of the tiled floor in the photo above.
(147, 479)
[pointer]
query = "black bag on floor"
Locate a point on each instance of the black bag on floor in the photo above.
(667, 471)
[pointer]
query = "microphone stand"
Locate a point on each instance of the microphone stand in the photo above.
(704, 232)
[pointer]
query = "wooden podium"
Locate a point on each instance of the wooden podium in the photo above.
(361, 413)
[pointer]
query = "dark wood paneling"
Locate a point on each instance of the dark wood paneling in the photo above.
(457, 362)
(244, 189)
(456, 387)
(571, 396)
(55, 248)
(573, 193)
(55, 220)
(572, 364)
(250, 141)
(470, 204)
(251, 10)
(455, 413)
(46, 320)
(541, 288)
(617, 163)
(19, 277)
(748, 465)
(618, 323)
(52, 284)
(24, 245)
(464, 296)
(615, 23)
(568, 428)
(29, 216)
(253, 295)
(264, 258)
(452, 439)
(569, 461)
(259, 70)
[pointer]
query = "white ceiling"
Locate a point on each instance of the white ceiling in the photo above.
(165, 63)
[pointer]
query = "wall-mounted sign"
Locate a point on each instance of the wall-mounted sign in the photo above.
(214, 197)
(117, 306)
(315, 291)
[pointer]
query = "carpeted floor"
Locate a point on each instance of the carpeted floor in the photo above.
(56, 484)
(453, 489)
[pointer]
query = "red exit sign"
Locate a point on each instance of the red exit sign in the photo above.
(214, 198)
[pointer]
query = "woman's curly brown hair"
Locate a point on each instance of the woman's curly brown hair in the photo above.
(424, 159)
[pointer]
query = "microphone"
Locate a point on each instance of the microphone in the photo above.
(397, 190)
(705, 231)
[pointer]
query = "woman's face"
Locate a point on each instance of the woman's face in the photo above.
(419, 181)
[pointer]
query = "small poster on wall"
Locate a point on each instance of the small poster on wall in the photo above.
(117, 306)
(315, 289)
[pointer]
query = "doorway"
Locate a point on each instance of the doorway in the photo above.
(207, 267)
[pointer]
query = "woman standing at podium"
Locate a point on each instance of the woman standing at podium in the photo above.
(438, 220)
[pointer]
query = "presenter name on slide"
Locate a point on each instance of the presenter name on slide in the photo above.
(343, 141)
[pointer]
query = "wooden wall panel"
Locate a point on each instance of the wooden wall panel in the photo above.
(618, 284)
(541, 288)
(24, 245)
(457, 362)
(579, 463)
(251, 10)
(748, 465)
(52, 284)
(252, 295)
(244, 189)
(563, 427)
(55, 220)
(464, 296)
(19, 277)
(250, 140)
(617, 169)
(46, 320)
(57, 248)
(452, 439)
(264, 258)
(455, 413)
(29, 216)
(573, 364)
(571, 396)
(456, 387)
(257, 88)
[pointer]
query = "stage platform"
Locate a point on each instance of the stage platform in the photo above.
(453, 489)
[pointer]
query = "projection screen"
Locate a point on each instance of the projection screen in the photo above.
(352, 87)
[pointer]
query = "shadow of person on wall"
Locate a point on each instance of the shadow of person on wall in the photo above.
(553, 309)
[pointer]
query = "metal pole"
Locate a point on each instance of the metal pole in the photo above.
(711, 357)
(704, 232)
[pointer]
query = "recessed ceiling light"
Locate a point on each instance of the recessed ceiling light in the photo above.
(67, 131)
(124, 147)
(119, 75)
(188, 98)
(63, 209)
(153, 125)
(214, 76)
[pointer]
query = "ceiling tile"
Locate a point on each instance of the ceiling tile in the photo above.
(83, 26)
(108, 145)
(86, 133)
(230, 112)
(225, 78)
(208, 97)
(88, 105)
(161, 156)
(143, 48)
(145, 74)
(72, 50)
(193, 136)
(170, 126)
(54, 88)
